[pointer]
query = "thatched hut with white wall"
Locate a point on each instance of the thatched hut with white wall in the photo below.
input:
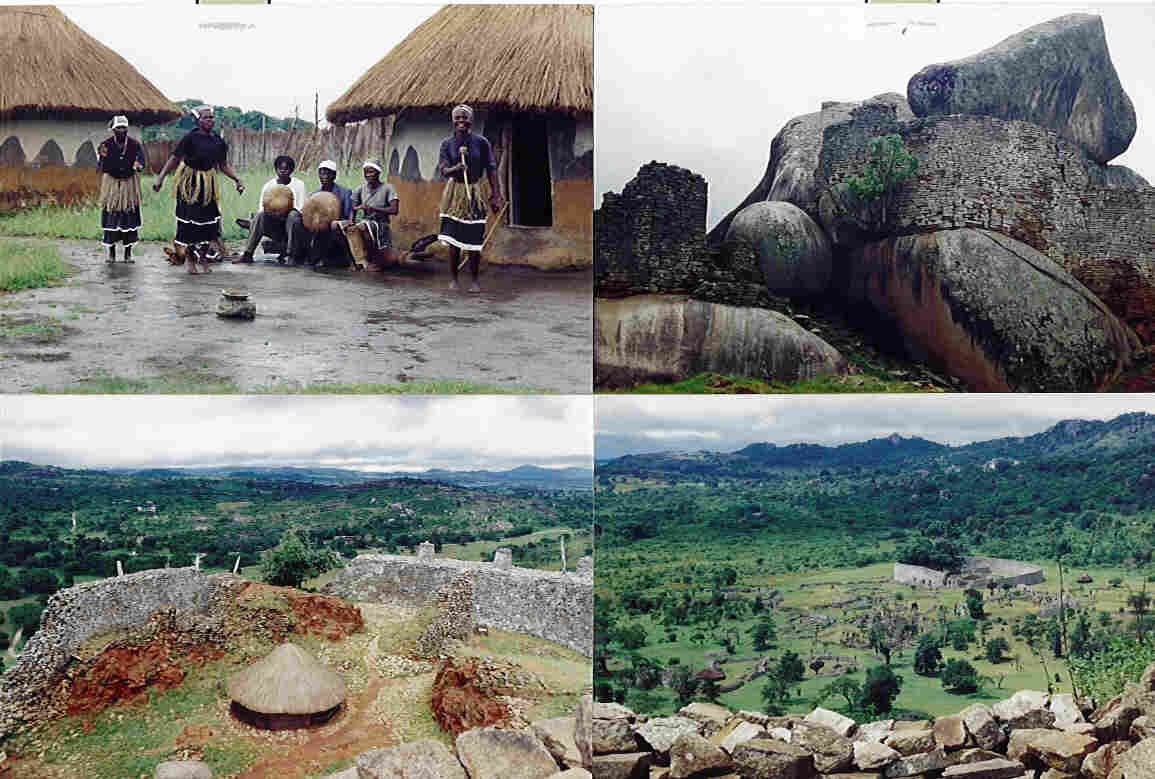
(527, 71)
(61, 86)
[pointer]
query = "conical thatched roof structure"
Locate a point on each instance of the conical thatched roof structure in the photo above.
(288, 689)
(512, 57)
(52, 67)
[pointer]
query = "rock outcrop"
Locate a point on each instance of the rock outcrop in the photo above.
(670, 337)
(1057, 75)
(792, 250)
(1000, 742)
(991, 310)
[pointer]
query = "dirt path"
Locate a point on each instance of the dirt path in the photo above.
(150, 320)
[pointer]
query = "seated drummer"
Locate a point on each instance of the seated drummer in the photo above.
(287, 229)
(377, 201)
(328, 248)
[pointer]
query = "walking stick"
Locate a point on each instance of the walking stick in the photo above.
(492, 230)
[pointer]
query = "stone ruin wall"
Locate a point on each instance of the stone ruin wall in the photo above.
(75, 615)
(976, 569)
(1023, 181)
(651, 239)
(551, 605)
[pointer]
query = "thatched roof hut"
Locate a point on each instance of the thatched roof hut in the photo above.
(287, 689)
(513, 57)
(527, 71)
(61, 86)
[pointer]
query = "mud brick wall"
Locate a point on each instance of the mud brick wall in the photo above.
(550, 605)
(1023, 181)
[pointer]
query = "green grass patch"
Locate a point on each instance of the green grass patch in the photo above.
(718, 384)
(157, 210)
(28, 265)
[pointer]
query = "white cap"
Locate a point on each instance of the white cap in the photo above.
(372, 164)
(118, 121)
(328, 165)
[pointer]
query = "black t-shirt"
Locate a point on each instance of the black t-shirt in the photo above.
(202, 151)
(117, 161)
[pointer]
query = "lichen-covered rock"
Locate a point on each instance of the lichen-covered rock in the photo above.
(1113, 719)
(631, 765)
(874, 731)
(759, 758)
(793, 251)
(740, 734)
(1100, 763)
(983, 727)
(692, 755)
(710, 716)
(839, 723)
(873, 754)
(1026, 709)
(1057, 74)
(950, 732)
(668, 338)
(1050, 748)
(557, 735)
(659, 733)
(611, 729)
(991, 311)
(415, 760)
(491, 753)
(1138, 762)
(832, 752)
(922, 763)
(236, 309)
(911, 741)
(998, 768)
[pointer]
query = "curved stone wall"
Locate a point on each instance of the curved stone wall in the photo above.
(547, 604)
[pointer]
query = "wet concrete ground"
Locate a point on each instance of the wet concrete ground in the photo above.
(526, 329)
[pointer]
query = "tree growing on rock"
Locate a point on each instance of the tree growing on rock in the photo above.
(295, 559)
(867, 200)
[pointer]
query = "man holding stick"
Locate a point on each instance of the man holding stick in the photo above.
(463, 158)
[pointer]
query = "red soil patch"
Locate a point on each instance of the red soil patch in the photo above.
(465, 696)
(320, 615)
(122, 673)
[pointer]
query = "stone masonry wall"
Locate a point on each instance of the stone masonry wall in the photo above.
(1023, 181)
(651, 239)
(916, 574)
(550, 605)
(77, 614)
(1002, 570)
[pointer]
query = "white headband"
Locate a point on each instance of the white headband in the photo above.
(468, 111)
(328, 165)
(371, 164)
(118, 121)
(200, 109)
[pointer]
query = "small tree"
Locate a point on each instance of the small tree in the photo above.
(974, 601)
(774, 694)
(790, 668)
(683, 683)
(959, 676)
(294, 559)
(867, 199)
(881, 687)
(849, 689)
(997, 649)
(765, 634)
(928, 657)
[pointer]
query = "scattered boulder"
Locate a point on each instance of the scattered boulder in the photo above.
(492, 753)
(1138, 762)
(1066, 710)
(950, 732)
(873, 754)
(1057, 74)
(692, 755)
(183, 769)
(633, 765)
(832, 752)
(794, 253)
(874, 731)
(998, 768)
(1043, 748)
(983, 727)
(671, 337)
(992, 311)
(911, 741)
(770, 757)
(741, 733)
(921, 763)
(415, 760)
(557, 735)
(583, 718)
(1025, 709)
(1100, 763)
(839, 723)
(611, 729)
(660, 733)
(1141, 728)
(710, 716)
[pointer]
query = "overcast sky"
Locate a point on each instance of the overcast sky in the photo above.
(708, 87)
(370, 433)
(725, 423)
(269, 58)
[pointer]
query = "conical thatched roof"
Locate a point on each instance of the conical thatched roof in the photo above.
(288, 681)
(51, 66)
(520, 57)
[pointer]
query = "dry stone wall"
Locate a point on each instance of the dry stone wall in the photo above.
(78, 614)
(1023, 181)
(551, 605)
(974, 569)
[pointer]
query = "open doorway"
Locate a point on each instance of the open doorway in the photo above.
(531, 191)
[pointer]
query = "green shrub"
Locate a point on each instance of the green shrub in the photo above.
(867, 199)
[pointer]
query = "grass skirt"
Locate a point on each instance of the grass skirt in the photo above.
(462, 221)
(120, 209)
(198, 217)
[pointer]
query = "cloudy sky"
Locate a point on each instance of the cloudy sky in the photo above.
(632, 425)
(372, 433)
(269, 58)
(708, 87)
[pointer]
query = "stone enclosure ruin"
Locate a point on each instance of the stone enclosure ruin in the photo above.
(976, 571)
